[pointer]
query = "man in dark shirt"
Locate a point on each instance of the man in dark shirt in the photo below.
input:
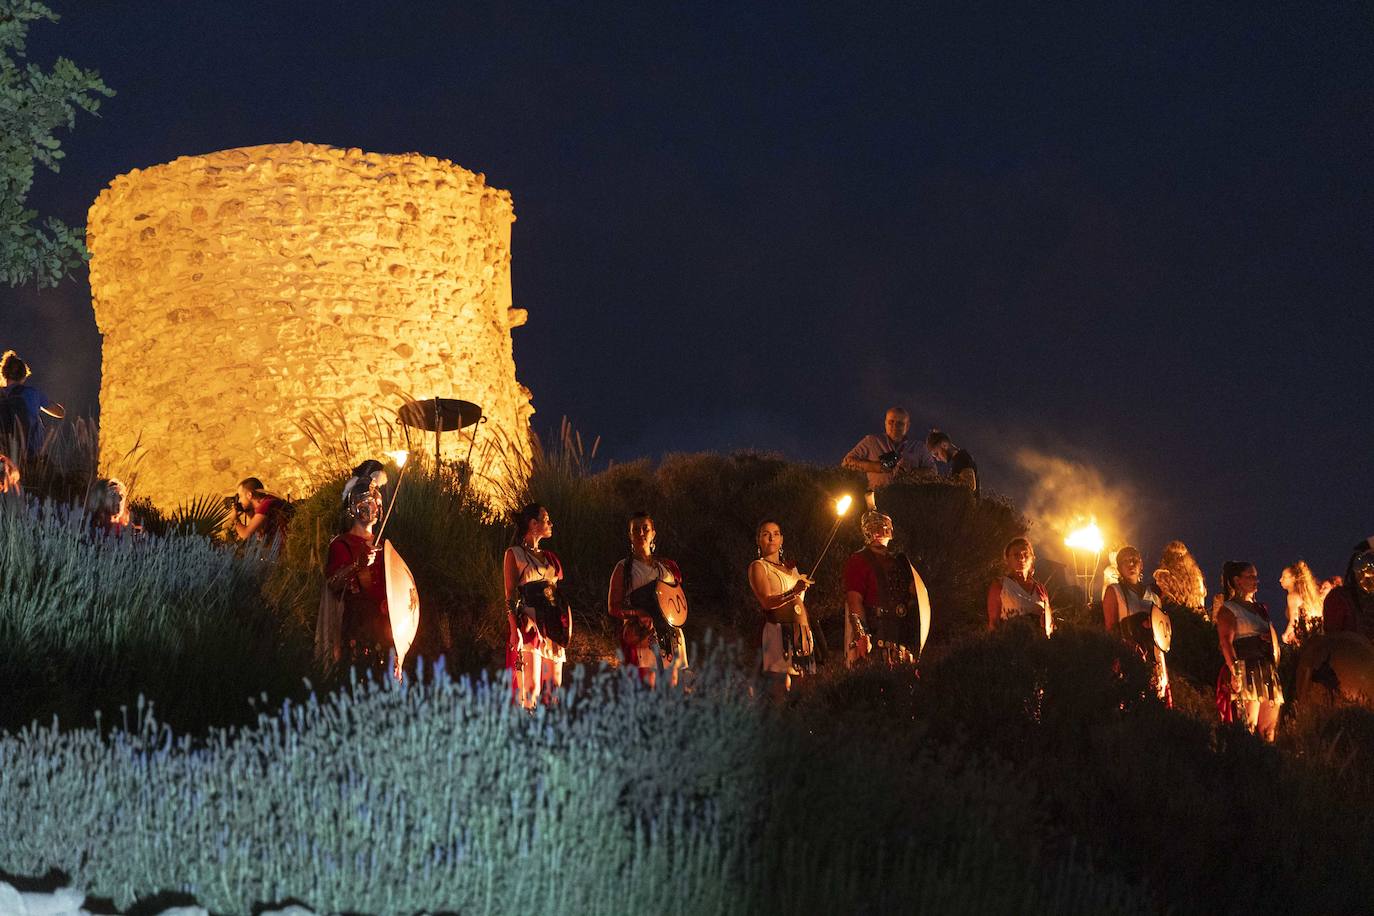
(959, 462)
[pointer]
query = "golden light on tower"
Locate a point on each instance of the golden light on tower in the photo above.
(260, 304)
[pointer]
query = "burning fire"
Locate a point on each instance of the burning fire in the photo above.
(399, 457)
(842, 504)
(1088, 537)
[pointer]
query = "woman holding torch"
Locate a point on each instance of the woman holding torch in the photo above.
(1248, 685)
(1017, 594)
(780, 590)
(540, 624)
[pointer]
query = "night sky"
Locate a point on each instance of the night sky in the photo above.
(1126, 250)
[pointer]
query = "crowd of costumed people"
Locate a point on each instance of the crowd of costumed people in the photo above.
(886, 615)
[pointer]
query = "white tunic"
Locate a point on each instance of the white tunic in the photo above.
(1017, 601)
(781, 579)
(1129, 603)
(1248, 622)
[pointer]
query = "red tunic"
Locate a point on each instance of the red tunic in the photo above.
(365, 619)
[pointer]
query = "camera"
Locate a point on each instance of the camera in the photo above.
(889, 459)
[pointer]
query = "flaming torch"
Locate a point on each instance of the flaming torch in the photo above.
(1085, 543)
(399, 457)
(841, 509)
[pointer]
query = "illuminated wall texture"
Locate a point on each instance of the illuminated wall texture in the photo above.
(249, 294)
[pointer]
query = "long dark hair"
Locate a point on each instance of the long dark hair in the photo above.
(1229, 571)
(528, 513)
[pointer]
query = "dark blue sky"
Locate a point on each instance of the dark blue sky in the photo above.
(1137, 237)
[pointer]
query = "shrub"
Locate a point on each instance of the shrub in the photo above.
(89, 622)
(441, 795)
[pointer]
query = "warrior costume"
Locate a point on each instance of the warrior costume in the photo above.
(659, 644)
(1255, 677)
(787, 645)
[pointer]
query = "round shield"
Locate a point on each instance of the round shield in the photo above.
(1163, 628)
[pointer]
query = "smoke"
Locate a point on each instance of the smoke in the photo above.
(1061, 494)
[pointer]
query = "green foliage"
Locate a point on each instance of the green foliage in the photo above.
(441, 795)
(90, 622)
(34, 104)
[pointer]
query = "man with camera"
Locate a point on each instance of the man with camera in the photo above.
(891, 456)
(258, 513)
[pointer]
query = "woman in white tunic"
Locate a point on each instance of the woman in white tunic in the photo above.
(1248, 686)
(647, 641)
(1017, 594)
(780, 590)
(540, 624)
(1128, 607)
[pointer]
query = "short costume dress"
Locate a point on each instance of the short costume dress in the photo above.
(1254, 650)
(538, 576)
(786, 647)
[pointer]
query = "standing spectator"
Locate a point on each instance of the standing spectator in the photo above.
(22, 405)
(890, 456)
(958, 462)
(258, 513)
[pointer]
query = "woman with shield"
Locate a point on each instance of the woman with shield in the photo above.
(646, 596)
(1131, 610)
(540, 622)
(780, 590)
(353, 625)
(1248, 687)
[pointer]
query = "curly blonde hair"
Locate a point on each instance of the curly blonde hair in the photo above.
(1179, 579)
(1305, 586)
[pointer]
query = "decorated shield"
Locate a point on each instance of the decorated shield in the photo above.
(672, 601)
(402, 601)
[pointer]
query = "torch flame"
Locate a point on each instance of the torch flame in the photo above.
(399, 457)
(1088, 538)
(842, 504)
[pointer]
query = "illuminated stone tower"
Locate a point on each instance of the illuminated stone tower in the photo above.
(248, 295)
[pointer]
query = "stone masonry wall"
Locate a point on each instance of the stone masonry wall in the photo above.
(249, 295)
